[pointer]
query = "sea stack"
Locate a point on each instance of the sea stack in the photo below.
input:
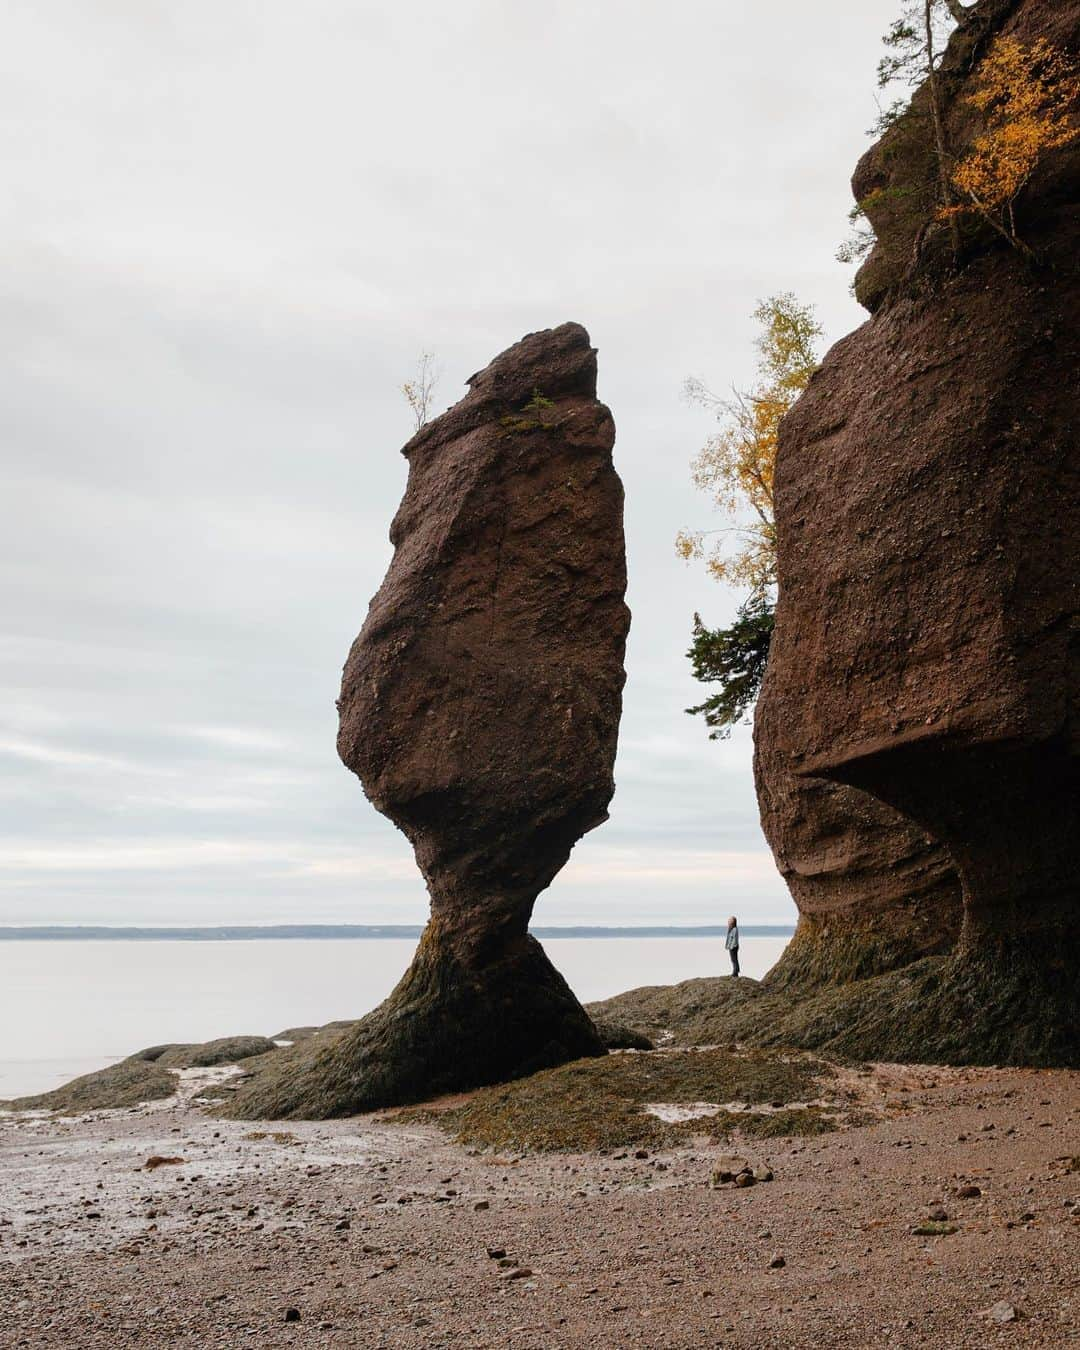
(927, 643)
(480, 710)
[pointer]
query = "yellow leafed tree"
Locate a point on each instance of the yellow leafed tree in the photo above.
(420, 390)
(735, 467)
(1028, 98)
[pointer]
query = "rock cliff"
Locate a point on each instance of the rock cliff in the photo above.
(480, 709)
(927, 644)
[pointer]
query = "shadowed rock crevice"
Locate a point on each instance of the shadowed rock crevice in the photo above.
(480, 709)
(874, 891)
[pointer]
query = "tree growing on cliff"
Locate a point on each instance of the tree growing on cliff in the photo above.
(914, 46)
(735, 659)
(420, 390)
(735, 468)
(1027, 97)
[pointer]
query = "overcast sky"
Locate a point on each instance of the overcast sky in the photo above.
(227, 230)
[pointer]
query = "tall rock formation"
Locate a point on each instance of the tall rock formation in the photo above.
(927, 644)
(480, 709)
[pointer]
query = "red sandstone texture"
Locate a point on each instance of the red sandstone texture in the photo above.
(480, 708)
(480, 704)
(927, 644)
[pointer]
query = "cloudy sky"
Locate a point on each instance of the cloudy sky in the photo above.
(227, 230)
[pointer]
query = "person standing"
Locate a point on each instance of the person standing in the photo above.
(732, 944)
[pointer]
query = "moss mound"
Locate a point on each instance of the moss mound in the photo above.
(146, 1076)
(225, 1050)
(125, 1084)
(618, 1036)
(599, 1103)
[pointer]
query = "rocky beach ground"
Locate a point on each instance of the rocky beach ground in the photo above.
(949, 1217)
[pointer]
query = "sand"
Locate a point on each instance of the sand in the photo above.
(373, 1233)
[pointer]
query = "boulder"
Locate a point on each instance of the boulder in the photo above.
(480, 709)
(618, 1036)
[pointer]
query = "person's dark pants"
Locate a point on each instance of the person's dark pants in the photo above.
(733, 952)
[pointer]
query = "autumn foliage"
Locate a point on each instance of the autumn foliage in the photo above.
(1027, 97)
(735, 467)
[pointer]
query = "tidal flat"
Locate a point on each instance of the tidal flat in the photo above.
(941, 1206)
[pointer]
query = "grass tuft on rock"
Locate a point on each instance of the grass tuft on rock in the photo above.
(600, 1103)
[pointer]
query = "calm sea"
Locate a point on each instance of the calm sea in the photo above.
(71, 1007)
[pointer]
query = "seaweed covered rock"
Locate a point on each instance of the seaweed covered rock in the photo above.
(617, 1036)
(225, 1050)
(128, 1083)
(480, 708)
(933, 1010)
(927, 643)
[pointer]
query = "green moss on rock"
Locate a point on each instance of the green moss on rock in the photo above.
(835, 949)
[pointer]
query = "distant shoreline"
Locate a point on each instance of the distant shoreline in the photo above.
(325, 932)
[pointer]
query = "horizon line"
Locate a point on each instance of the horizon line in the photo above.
(314, 932)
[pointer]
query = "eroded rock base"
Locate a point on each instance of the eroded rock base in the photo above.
(1001, 1008)
(834, 949)
(458, 1019)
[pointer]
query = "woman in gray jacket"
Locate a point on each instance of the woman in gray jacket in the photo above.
(732, 944)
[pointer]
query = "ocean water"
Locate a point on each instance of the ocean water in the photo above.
(71, 1007)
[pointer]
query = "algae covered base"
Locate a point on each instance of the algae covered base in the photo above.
(991, 1005)
(457, 1020)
